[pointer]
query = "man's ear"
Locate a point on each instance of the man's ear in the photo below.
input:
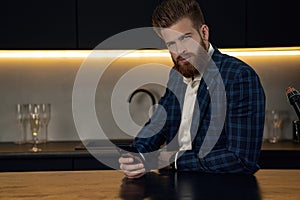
(204, 32)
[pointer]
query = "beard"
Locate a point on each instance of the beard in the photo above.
(200, 59)
(186, 69)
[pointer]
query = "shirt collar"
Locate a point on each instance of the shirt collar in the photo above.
(188, 80)
(210, 50)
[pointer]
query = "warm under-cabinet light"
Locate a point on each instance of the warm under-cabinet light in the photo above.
(272, 51)
(275, 51)
(81, 53)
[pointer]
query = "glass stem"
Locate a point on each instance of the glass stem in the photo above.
(35, 142)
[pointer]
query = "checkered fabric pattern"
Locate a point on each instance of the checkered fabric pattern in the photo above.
(238, 147)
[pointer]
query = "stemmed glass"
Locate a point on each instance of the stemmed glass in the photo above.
(276, 121)
(35, 120)
(20, 137)
(45, 113)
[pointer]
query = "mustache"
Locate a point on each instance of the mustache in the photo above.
(184, 56)
(186, 69)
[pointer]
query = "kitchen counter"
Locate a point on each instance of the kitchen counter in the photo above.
(77, 146)
(73, 156)
(286, 145)
(111, 184)
(282, 155)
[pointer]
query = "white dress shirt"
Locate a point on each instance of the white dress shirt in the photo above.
(184, 135)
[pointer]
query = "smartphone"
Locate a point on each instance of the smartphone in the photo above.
(127, 151)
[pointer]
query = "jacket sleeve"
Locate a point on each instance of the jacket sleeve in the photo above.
(154, 133)
(243, 128)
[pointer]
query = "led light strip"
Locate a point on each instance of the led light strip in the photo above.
(284, 51)
(82, 53)
(271, 51)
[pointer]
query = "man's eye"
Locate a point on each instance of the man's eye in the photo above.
(169, 44)
(186, 36)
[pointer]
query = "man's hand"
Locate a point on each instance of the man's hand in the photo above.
(132, 167)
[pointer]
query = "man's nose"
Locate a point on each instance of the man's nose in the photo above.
(180, 48)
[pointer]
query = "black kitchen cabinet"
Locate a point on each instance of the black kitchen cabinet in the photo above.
(74, 156)
(255, 23)
(34, 163)
(54, 156)
(272, 23)
(226, 20)
(80, 24)
(34, 24)
(99, 20)
(232, 23)
(50, 162)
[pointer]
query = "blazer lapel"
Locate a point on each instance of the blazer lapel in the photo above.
(211, 79)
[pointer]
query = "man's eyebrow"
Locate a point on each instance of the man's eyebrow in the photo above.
(186, 34)
(179, 38)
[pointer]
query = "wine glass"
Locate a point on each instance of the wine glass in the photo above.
(20, 115)
(35, 120)
(45, 112)
(276, 121)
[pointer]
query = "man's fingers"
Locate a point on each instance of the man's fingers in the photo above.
(135, 174)
(128, 167)
(123, 160)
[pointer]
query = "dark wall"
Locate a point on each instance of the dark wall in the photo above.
(99, 20)
(226, 20)
(81, 24)
(33, 24)
(273, 23)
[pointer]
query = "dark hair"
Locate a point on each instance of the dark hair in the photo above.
(168, 12)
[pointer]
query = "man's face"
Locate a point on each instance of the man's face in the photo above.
(185, 45)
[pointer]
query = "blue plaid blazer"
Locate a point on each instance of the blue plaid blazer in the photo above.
(238, 145)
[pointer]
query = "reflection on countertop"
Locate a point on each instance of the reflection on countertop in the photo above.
(111, 184)
(191, 185)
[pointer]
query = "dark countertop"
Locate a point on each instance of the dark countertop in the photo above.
(59, 148)
(286, 145)
(75, 147)
(111, 184)
(72, 155)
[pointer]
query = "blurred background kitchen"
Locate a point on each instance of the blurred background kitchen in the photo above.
(58, 35)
